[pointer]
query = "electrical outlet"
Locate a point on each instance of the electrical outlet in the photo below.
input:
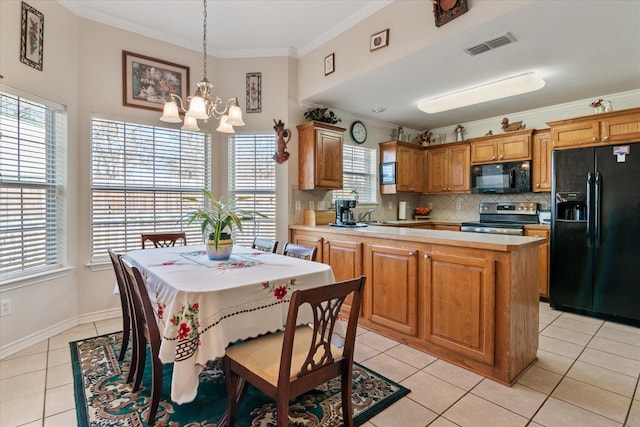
(320, 206)
(5, 307)
(390, 205)
(430, 205)
(312, 205)
(298, 205)
(458, 205)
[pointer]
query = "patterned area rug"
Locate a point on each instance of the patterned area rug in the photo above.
(103, 398)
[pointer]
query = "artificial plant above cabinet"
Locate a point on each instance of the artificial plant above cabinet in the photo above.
(320, 156)
(408, 160)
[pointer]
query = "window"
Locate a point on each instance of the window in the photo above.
(252, 175)
(140, 175)
(359, 173)
(32, 172)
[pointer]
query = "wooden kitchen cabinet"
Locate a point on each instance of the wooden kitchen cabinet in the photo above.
(596, 130)
(409, 159)
(448, 169)
(391, 291)
(345, 259)
(459, 297)
(543, 258)
(507, 147)
(541, 161)
(469, 303)
(320, 156)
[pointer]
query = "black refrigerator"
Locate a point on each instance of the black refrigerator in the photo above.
(595, 232)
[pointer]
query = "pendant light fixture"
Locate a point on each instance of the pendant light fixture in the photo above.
(199, 106)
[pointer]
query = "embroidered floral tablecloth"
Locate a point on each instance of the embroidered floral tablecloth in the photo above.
(202, 305)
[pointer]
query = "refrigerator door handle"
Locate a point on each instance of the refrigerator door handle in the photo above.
(596, 212)
(588, 207)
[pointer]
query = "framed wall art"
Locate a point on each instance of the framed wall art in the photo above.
(254, 93)
(148, 82)
(447, 10)
(31, 37)
(379, 40)
(329, 64)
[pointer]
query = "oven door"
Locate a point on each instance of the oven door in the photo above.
(493, 228)
(509, 177)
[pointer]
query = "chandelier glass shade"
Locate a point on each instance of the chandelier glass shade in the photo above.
(202, 105)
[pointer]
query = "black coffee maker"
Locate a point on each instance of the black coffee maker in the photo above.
(344, 212)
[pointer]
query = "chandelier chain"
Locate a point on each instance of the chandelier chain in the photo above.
(204, 39)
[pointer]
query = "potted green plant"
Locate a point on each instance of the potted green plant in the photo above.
(216, 221)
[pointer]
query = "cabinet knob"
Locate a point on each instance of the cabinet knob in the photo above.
(595, 139)
(426, 256)
(606, 138)
(449, 189)
(493, 158)
(502, 157)
(411, 254)
(444, 188)
(538, 185)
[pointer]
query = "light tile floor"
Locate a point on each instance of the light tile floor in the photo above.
(586, 375)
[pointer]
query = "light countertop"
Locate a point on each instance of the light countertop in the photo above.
(497, 242)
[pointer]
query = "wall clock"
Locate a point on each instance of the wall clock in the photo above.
(358, 132)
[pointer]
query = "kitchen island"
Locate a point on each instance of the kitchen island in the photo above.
(468, 298)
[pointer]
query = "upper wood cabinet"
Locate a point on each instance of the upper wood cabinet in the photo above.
(501, 148)
(448, 169)
(541, 161)
(409, 159)
(319, 156)
(598, 129)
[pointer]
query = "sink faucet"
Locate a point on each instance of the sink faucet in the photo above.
(363, 215)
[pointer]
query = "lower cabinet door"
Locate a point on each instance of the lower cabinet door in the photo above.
(345, 259)
(459, 306)
(391, 288)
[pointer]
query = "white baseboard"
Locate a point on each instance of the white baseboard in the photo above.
(16, 346)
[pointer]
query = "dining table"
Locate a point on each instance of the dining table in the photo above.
(202, 305)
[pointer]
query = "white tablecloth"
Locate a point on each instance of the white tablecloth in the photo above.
(202, 306)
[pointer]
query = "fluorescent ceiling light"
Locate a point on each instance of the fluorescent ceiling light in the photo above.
(504, 88)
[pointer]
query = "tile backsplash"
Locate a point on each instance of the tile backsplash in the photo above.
(449, 207)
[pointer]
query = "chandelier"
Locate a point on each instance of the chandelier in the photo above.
(200, 106)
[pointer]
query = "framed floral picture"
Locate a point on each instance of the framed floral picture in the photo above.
(31, 37)
(254, 93)
(329, 64)
(149, 82)
(379, 40)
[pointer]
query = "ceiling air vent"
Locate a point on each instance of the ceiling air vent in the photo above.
(491, 44)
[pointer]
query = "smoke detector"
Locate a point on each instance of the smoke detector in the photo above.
(491, 44)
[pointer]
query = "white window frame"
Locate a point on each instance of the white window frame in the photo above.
(33, 146)
(359, 172)
(140, 175)
(252, 175)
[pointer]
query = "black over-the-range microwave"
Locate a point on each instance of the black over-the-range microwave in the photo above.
(508, 177)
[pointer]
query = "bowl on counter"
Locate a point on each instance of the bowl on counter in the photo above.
(421, 211)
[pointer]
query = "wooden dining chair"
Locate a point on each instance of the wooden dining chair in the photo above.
(147, 331)
(265, 245)
(286, 364)
(299, 251)
(163, 240)
(124, 302)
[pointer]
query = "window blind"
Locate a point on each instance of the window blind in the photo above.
(252, 175)
(140, 175)
(32, 173)
(359, 173)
